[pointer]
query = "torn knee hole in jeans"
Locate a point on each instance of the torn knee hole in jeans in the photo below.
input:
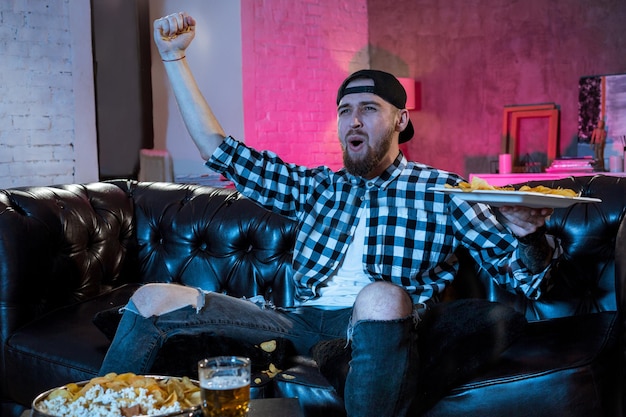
(159, 299)
(156, 299)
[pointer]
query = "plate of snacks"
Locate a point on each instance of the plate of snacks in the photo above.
(122, 395)
(480, 191)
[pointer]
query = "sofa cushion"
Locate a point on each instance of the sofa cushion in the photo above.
(304, 381)
(60, 347)
(107, 320)
(459, 338)
(551, 370)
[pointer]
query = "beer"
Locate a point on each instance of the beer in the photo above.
(225, 386)
(225, 397)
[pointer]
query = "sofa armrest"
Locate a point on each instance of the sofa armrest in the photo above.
(584, 279)
(620, 275)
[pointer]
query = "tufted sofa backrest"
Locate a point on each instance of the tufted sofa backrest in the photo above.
(61, 244)
(211, 239)
(584, 280)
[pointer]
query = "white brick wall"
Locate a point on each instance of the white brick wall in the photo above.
(36, 93)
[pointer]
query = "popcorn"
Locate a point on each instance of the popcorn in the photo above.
(122, 395)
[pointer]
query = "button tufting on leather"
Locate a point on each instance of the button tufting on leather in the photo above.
(18, 209)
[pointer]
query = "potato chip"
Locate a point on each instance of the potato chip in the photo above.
(272, 371)
(269, 346)
(480, 184)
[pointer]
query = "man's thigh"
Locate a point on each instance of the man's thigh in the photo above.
(244, 320)
(320, 324)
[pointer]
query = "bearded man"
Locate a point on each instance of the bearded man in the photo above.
(374, 248)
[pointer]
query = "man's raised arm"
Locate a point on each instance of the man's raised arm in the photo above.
(172, 35)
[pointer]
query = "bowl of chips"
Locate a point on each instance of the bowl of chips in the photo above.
(122, 395)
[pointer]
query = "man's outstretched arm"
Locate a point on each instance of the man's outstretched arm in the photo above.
(172, 35)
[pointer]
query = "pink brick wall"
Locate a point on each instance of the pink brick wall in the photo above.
(470, 61)
(295, 55)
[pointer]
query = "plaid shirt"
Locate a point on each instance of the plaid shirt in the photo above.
(411, 232)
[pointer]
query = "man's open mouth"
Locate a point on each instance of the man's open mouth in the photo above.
(355, 142)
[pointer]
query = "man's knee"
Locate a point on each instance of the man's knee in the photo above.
(156, 299)
(382, 300)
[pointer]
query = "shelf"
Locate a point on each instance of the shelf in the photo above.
(500, 180)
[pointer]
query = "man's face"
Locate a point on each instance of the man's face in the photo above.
(368, 132)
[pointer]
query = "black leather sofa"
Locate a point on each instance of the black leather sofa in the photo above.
(70, 252)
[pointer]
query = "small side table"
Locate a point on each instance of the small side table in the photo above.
(267, 407)
(275, 407)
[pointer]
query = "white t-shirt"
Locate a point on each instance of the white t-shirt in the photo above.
(343, 286)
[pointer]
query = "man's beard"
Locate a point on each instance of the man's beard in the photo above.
(363, 166)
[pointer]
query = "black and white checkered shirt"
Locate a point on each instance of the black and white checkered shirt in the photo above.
(411, 232)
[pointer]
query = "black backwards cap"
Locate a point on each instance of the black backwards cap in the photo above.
(386, 86)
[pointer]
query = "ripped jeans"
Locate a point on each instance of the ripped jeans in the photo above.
(138, 339)
(384, 354)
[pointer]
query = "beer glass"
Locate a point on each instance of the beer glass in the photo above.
(225, 386)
